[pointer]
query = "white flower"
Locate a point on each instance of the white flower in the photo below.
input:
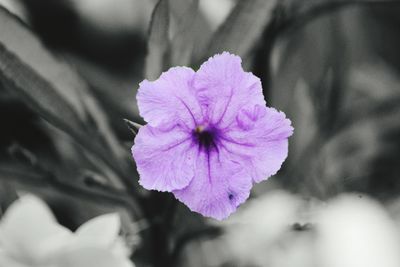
(261, 234)
(350, 230)
(356, 231)
(31, 237)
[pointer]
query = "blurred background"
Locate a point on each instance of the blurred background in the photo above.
(69, 71)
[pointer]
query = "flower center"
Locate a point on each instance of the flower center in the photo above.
(205, 137)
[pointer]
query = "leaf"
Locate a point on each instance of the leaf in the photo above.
(42, 97)
(102, 125)
(193, 32)
(61, 98)
(184, 40)
(240, 31)
(158, 43)
(64, 81)
(47, 183)
(36, 92)
(19, 40)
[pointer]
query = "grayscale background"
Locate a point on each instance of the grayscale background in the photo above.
(332, 66)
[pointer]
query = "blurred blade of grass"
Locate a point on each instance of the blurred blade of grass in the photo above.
(239, 33)
(158, 41)
(61, 100)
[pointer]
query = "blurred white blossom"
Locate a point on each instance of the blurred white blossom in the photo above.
(31, 237)
(284, 230)
(355, 231)
(262, 233)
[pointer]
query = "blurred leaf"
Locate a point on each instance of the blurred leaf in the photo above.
(374, 94)
(99, 118)
(193, 31)
(302, 114)
(158, 42)
(41, 96)
(239, 33)
(317, 55)
(61, 98)
(184, 38)
(20, 41)
(115, 94)
(37, 179)
(36, 91)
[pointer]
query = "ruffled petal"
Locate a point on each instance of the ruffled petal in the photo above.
(223, 88)
(259, 137)
(210, 135)
(220, 185)
(170, 99)
(164, 157)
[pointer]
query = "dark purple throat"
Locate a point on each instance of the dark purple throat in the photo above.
(206, 137)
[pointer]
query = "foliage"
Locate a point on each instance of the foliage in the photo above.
(63, 106)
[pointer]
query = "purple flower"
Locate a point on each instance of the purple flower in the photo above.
(209, 135)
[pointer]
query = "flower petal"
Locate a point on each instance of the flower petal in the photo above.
(26, 226)
(260, 137)
(223, 88)
(101, 231)
(219, 186)
(85, 257)
(164, 157)
(6, 260)
(51, 246)
(169, 99)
